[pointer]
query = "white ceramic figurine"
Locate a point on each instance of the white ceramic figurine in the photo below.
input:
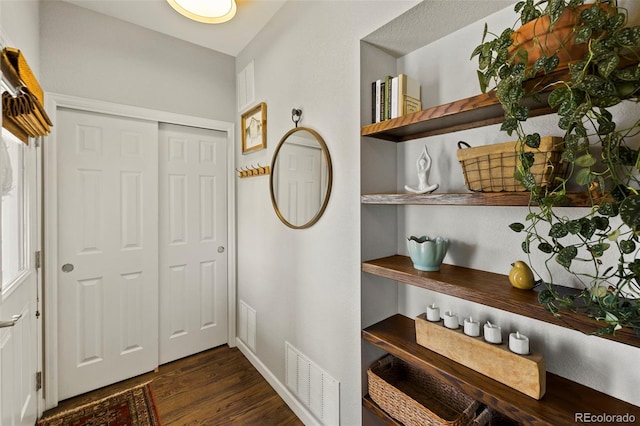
(423, 164)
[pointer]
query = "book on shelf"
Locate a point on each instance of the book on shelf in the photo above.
(387, 97)
(375, 101)
(394, 96)
(408, 88)
(411, 105)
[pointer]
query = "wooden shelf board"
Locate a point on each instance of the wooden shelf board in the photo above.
(521, 199)
(562, 400)
(488, 289)
(374, 408)
(476, 111)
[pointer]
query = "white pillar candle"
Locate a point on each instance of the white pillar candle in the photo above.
(451, 320)
(492, 333)
(519, 343)
(471, 327)
(433, 313)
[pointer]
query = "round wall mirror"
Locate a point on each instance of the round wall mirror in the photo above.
(301, 178)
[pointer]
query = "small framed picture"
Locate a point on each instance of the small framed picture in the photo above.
(254, 128)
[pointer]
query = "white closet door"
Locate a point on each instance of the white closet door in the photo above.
(108, 249)
(193, 240)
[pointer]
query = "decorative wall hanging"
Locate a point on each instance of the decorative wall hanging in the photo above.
(254, 128)
(23, 114)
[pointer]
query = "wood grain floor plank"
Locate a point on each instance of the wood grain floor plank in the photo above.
(214, 387)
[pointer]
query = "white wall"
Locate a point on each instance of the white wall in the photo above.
(304, 284)
(19, 21)
(93, 56)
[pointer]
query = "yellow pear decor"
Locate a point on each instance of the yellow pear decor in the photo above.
(521, 275)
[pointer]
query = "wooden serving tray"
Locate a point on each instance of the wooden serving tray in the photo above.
(524, 373)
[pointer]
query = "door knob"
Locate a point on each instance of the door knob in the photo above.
(11, 322)
(67, 267)
(221, 249)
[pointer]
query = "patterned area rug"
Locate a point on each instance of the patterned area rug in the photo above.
(132, 407)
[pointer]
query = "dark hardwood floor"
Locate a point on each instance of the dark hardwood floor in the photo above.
(215, 387)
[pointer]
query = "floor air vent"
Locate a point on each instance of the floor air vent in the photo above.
(313, 386)
(247, 325)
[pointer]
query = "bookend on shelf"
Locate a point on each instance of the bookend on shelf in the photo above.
(495, 361)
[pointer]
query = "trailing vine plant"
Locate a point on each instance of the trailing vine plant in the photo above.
(599, 248)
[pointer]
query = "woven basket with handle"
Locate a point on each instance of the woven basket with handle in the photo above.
(491, 168)
(415, 398)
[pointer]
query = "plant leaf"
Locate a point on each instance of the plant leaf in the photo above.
(517, 227)
(532, 140)
(616, 21)
(558, 96)
(545, 297)
(554, 10)
(635, 267)
(509, 125)
(528, 181)
(568, 107)
(573, 226)
(630, 212)
(521, 113)
(527, 159)
(598, 86)
(600, 222)
(627, 37)
(545, 247)
(551, 63)
(558, 230)
(597, 250)
(583, 35)
(482, 81)
(586, 160)
(566, 255)
(608, 209)
(608, 65)
(627, 246)
(587, 229)
(583, 177)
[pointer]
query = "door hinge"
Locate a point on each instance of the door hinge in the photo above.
(37, 259)
(39, 380)
(37, 142)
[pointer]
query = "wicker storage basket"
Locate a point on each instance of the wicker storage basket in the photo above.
(415, 398)
(491, 168)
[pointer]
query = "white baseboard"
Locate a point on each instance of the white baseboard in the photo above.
(300, 410)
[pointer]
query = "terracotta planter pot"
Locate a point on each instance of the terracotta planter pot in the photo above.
(538, 38)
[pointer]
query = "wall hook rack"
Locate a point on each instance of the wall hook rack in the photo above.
(253, 170)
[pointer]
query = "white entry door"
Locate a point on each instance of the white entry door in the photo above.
(19, 344)
(193, 240)
(107, 249)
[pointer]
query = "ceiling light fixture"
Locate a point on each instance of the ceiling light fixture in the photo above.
(207, 11)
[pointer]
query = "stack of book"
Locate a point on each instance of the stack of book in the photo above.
(394, 97)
